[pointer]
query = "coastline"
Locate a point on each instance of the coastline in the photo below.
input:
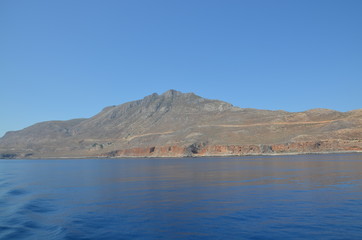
(180, 157)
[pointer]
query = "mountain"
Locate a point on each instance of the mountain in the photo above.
(176, 124)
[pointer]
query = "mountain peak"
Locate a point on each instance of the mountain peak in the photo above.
(172, 93)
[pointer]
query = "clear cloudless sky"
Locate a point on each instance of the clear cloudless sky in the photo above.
(69, 59)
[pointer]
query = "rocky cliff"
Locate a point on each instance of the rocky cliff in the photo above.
(176, 124)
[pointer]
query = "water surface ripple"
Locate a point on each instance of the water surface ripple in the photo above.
(274, 197)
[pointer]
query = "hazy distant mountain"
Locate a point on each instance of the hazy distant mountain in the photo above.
(184, 124)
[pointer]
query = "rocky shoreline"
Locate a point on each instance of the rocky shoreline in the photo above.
(204, 150)
(201, 150)
(180, 157)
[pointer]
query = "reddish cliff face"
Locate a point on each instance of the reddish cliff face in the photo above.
(199, 150)
(162, 151)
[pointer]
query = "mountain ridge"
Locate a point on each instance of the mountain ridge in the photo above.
(185, 124)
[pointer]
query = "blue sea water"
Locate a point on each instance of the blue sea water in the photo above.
(269, 197)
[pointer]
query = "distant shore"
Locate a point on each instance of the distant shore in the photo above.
(180, 157)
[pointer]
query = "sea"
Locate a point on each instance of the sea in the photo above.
(252, 197)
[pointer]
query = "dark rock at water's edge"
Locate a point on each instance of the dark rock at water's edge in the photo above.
(8, 155)
(176, 124)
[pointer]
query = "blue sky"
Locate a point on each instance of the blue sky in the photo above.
(69, 59)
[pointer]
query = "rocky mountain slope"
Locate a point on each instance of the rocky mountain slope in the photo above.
(183, 124)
